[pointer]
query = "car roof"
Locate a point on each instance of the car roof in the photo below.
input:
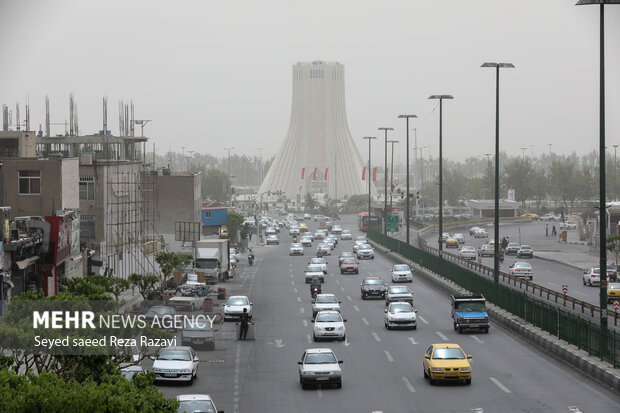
(238, 296)
(328, 312)
(319, 350)
(326, 295)
(186, 348)
(188, 397)
(446, 345)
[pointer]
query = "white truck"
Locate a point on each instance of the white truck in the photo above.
(211, 258)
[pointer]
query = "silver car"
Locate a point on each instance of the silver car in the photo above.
(178, 363)
(400, 314)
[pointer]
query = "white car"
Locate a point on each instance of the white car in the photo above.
(176, 364)
(314, 270)
(293, 230)
(445, 236)
(365, 251)
(460, 238)
(234, 253)
(346, 235)
(329, 325)
(522, 270)
(306, 241)
(325, 302)
(235, 304)
(296, 249)
(307, 217)
(271, 231)
(325, 248)
(357, 243)
(568, 225)
(398, 293)
(272, 239)
(320, 262)
(468, 252)
(400, 314)
(401, 272)
(319, 235)
(336, 229)
(196, 403)
(329, 241)
(481, 233)
(319, 366)
(473, 230)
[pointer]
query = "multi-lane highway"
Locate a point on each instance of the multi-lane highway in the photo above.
(382, 370)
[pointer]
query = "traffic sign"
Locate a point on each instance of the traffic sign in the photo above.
(616, 305)
(392, 223)
(565, 289)
(479, 260)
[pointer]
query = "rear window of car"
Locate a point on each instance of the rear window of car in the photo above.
(314, 269)
(373, 282)
(401, 268)
(398, 289)
(326, 299)
(349, 261)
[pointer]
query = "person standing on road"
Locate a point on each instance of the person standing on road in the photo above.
(547, 230)
(553, 231)
(244, 322)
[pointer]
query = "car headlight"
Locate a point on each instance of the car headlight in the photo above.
(466, 369)
(486, 319)
(437, 369)
(307, 373)
(340, 328)
(185, 370)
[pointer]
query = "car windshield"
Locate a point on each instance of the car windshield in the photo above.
(320, 358)
(360, 239)
(326, 299)
(614, 286)
(448, 354)
(398, 290)
(314, 269)
(365, 247)
(401, 268)
(513, 244)
(522, 265)
(237, 301)
(196, 406)
(170, 354)
(401, 308)
(596, 270)
(160, 310)
(373, 282)
(349, 261)
(328, 318)
(295, 245)
(468, 249)
(526, 247)
(476, 306)
(346, 231)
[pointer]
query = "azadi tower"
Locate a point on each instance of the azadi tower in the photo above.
(318, 153)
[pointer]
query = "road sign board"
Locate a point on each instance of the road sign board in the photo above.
(565, 289)
(392, 223)
(616, 305)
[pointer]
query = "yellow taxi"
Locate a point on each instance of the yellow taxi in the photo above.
(452, 243)
(446, 362)
(303, 227)
(530, 216)
(492, 242)
(613, 291)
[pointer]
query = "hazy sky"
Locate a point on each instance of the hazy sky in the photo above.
(212, 74)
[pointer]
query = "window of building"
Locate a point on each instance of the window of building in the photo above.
(29, 182)
(87, 227)
(87, 187)
(207, 214)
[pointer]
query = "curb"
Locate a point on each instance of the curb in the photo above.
(561, 350)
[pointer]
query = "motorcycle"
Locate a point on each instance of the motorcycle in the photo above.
(314, 290)
(250, 259)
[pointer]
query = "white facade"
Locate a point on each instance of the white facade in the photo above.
(318, 138)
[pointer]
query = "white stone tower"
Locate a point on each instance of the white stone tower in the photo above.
(318, 145)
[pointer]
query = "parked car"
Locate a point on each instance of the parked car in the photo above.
(512, 248)
(373, 287)
(400, 314)
(567, 225)
(401, 272)
(398, 293)
(296, 249)
(446, 362)
(196, 403)
(319, 366)
(329, 325)
(525, 251)
(324, 302)
(163, 314)
(468, 252)
(234, 253)
(178, 363)
(349, 265)
(522, 270)
(131, 370)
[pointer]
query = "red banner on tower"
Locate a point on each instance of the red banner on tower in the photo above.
(314, 174)
(326, 173)
(374, 174)
(364, 174)
(303, 172)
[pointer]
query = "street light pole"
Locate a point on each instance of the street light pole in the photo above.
(441, 98)
(385, 182)
(523, 152)
(407, 161)
(229, 183)
(370, 138)
(392, 142)
(615, 170)
(497, 66)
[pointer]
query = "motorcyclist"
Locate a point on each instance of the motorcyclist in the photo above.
(319, 252)
(315, 286)
(250, 256)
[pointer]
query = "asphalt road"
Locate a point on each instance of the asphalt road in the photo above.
(382, 370)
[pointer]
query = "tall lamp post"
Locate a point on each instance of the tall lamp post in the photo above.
(407, 161)
(385, 182)
(602, 204)
(392, 142)
(523, 152)
(441, 98)
(370, 138)
(229, 183)
(615, 170)
(497, 66)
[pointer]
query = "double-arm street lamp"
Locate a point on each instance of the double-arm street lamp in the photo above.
(385, 182)
(407, 161)
(370, 138)
(602, 204)
(497, 66)
(441, 98)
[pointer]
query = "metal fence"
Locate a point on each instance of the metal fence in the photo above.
(557, 321)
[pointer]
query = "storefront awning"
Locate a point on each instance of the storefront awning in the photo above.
(24, 263)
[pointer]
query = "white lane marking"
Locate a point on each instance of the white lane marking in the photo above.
(349, 298)
(409, 386)
(319, 392)
(376, 336)
(365, 321)
(338, 282)
(291, 275)
(423, 319)
(554, 284)
(292, 282)
(346, 342)
(305, 322)
(477, 410)
(295, 289)
(342, 289)
(477, 339)
(302, 310)
(441, 335)
(389, 356)
(356, 308)
(413, 340)
(574, 409)
(377, 411)
(500, 385)
(309, 338)
(299, 299)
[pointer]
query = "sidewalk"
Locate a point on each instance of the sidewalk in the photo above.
(574, 253)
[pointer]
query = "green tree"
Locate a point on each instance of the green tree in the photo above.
(172, 261)
(356, 204)
(454, 186)
(613, 245)
(234, 223)
(144, 283)
(215, 185)
(310, 202)
(519, 175)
